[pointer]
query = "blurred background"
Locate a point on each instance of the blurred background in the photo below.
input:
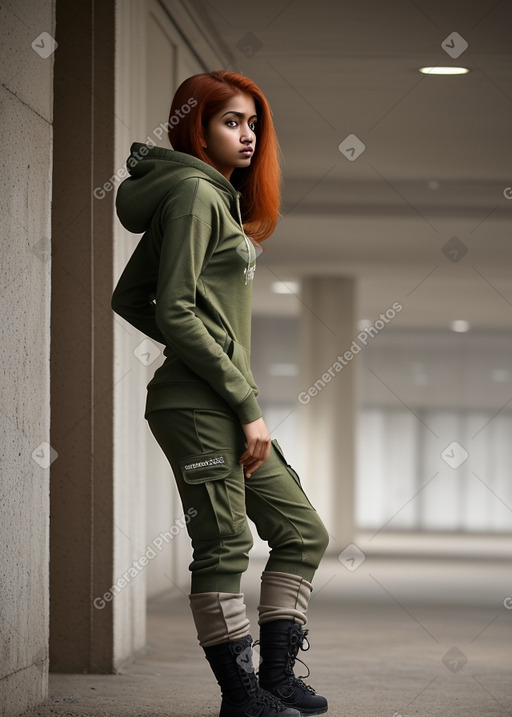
(382, 324)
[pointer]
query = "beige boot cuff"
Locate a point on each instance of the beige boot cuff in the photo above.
(219, 617)
(283, 596)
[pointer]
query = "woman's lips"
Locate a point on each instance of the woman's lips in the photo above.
(247, 152)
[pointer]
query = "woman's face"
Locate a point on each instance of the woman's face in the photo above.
(229, 138)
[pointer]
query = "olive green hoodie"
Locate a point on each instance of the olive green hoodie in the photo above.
(188, 283)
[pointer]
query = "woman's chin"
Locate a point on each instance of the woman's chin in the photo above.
(243, 162)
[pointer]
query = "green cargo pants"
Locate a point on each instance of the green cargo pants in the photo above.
(203, 447)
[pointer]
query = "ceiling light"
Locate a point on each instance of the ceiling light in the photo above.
(285, 287)
(438, 70)
(460, 326)
(363, 324)
(500, 375)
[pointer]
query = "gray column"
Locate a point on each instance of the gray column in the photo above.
(26, 99)
(327, 400)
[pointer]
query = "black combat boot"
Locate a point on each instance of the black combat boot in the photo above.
(232, 665)
(279, 643)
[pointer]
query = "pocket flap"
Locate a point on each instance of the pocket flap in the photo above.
(212, 465)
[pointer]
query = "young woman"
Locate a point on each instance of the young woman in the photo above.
(188, 285)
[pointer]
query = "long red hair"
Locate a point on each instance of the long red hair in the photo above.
(196, 100)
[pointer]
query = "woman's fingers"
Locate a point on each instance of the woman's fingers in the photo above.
(257, 453)
(252, 465)
(258, 446)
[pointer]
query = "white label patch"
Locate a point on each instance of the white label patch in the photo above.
(204, 464)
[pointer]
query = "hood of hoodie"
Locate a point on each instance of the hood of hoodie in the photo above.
(154, 171)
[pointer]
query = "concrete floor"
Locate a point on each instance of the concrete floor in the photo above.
(392, 638)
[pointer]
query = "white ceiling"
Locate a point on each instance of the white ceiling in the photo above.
(438, 151)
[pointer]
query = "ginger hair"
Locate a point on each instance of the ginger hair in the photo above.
(260, 183)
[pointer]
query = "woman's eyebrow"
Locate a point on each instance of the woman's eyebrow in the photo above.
(238, 114)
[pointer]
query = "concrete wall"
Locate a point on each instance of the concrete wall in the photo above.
(25, 194)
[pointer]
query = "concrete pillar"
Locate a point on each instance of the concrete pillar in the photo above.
(81, 513)
(26, 99)
(327, 400)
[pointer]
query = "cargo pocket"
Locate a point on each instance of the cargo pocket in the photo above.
(217, 493)
(290, 470)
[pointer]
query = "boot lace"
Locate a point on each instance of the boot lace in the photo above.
(269, 700)
(258, 693)
(297, 640)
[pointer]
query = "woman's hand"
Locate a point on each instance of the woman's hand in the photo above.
(258, 446)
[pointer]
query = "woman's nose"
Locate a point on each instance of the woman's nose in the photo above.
(247, 135)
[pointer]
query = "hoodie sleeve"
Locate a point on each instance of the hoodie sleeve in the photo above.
(186, 245)
(134, 293)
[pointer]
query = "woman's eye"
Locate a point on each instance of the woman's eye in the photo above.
(233, 121)
(253, 126)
